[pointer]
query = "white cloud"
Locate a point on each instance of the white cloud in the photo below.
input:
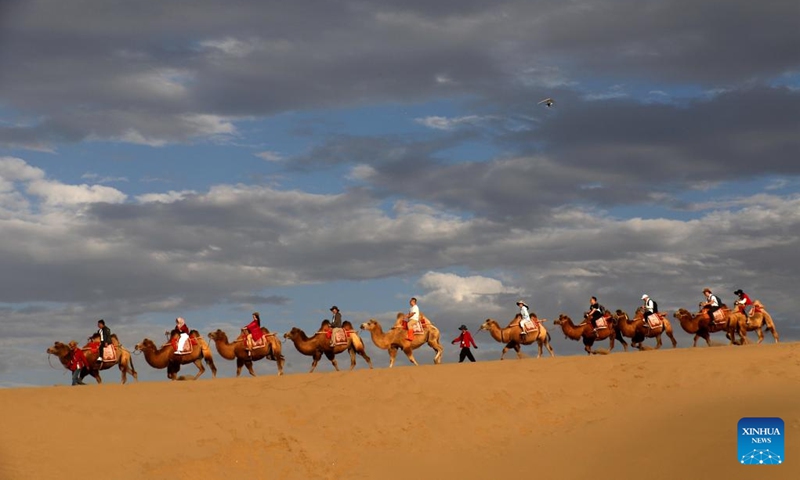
(169, 197)
(449, 288)
(269, 156)
(56, 193)
(451, 123)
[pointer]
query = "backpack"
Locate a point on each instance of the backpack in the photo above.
(719, 300)
(655, 306)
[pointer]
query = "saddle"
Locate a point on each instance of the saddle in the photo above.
(529, 326)
(109, 353)
(601, 323)
(720, 317)
(339, 337)
(654, 321)
(417, 328)
(187, 346)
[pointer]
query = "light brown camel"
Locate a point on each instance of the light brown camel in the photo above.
(319, 344)
(759, 318)
(124, 360)
(238, 350)
(513, 338)
(585, 332)
(165, 356)
(396, 339)
(637, 331)
(700, 325)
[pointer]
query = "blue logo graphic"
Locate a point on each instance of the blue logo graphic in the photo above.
(761, 441)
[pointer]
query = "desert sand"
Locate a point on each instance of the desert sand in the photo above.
(668, 414)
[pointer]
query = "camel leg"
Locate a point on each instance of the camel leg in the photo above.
(249, 365)
(517, 348)
(239, 365)
(410, 354)
(539, 344)
(123, 371)
(549, 348)
(437, 359)
(200, 368)
(210, 362)
(760, 334)
(774, 332)
(672, 338)
(94, 373)
(352, 352)
(658, 341)
(363, 352)
(392, 356)
(622, 341)
(332, 357)
(316, 358)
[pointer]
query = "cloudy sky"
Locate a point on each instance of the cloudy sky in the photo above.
(208, 159)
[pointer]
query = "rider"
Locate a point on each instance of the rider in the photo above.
(336, 319)
(105, 338)
(183, 330)
(595, 311)
(742, 303)
(711, 305)
(412, 317)
(525, 315)
(650, 307)
(254, 332)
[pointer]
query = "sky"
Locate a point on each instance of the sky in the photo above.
(209, 159)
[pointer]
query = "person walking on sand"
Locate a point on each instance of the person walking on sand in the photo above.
(77, 363)
(465, 340)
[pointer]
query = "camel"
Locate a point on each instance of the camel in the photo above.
(318, 345)
(699, 325)
(396, 339)
(513, 338)
(238, 351)
(584, 331)
(637, 331)
(165, 356)
(759, 317)
(124, 360)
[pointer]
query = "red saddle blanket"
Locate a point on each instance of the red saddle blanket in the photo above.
(655, 321)
(719, 316)
(187, 347)
(417, 327)
(601, 323)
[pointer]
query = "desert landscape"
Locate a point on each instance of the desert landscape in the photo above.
(660, 414)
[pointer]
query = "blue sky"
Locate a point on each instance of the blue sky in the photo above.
(284, 158)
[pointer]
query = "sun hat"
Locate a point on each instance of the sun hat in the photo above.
(462, 327)
(645, 296)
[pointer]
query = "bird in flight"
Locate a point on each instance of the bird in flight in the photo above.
(547, 101)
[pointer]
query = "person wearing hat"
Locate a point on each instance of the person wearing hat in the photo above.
(650, 307)
(76, 363)
(742, 303)
(465, 340)
(336, 319)
(524, 314)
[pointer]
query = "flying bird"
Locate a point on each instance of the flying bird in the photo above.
(547, 101)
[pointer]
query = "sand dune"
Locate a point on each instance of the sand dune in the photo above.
(660, 414)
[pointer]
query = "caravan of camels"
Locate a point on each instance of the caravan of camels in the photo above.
(408, 333)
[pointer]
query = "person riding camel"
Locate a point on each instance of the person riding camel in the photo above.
(254, 332)
(650, 307)
(183, 331)
(711, 305)
(105, 338)
(412, 318)
(525, 316)
(595, 311)
(742, 303)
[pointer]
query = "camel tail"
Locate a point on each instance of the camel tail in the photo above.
(548, 337)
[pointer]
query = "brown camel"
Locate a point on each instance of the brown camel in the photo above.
(759, 318)
(701, 326)
(585, 331)
(637, 331)
(319, 344)
(513, 338)
(165, 356)
(124, 360)
(238, 350)
(396, 339)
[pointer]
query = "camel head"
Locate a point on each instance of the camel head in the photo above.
(218, 335)
(146, 344)
(562, 319)
(682, 312)
(293, 333)
(370, 325)
(58, 349)
(622, 316)
(487, 325)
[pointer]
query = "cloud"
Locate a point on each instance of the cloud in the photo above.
(269, 156)
(445, 123)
